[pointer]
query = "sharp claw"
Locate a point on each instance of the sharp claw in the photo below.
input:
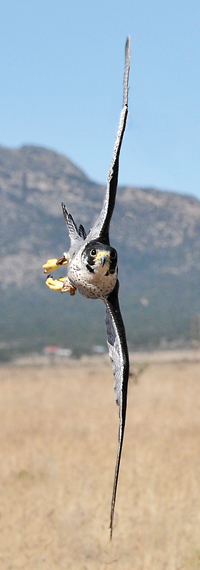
(53, 264)
(60, 285)
(55, 284)
(50, 265)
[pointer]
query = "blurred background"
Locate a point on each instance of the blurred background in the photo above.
(61, 93)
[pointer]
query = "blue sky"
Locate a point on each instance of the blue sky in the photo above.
(61, 70)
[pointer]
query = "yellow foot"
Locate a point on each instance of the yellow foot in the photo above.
(52, 264)
(60, 285)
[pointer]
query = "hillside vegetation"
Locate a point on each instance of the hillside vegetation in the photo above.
(157, 235)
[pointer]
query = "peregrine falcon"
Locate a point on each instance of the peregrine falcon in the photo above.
(92, 270)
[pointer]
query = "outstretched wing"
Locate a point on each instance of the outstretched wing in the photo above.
(77, 235)
(101, 226)
(118, 352)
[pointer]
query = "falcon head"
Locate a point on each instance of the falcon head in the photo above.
(99, 258)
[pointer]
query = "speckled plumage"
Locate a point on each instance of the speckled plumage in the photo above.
(91, 285)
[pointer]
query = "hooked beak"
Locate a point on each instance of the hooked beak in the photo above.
(102, 257)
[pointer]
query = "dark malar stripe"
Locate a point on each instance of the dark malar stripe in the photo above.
(90, 269)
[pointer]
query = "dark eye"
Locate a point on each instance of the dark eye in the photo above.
(113, 254)
(93, 252)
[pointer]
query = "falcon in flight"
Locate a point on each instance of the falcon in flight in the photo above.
(92, 270)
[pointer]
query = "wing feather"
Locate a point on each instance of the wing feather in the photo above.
(118, 352)
(77, 236)
(101, 226)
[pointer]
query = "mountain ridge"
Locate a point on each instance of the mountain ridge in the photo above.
(157, 234)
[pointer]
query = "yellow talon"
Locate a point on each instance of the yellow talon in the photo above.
(60, 285)
(50, 265)
(53, 264)
(55, 284)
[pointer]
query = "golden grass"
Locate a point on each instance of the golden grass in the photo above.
(58, 447)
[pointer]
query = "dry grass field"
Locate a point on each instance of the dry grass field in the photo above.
(58, 448)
